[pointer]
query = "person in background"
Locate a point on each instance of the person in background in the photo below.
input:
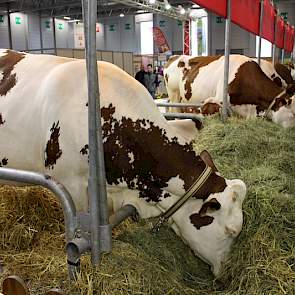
(150, 81)
(139, 76)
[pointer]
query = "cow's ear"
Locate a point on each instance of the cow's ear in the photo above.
(205, 156)
(209, 206)
(186, 128)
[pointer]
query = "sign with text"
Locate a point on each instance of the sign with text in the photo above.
(1, 19)
(18, 20)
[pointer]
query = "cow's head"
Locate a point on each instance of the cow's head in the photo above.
(284, 111)
(209, 226)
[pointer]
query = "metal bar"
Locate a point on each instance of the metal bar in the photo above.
(54, 35)
(64, 197)
(41, 34)
(283, 56)
(96, 183)
(226, 62)
(260, 30)
(122, 214)
(9, 26)
(182, 116)
(176, 104)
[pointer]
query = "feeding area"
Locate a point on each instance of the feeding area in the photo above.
(262, 261)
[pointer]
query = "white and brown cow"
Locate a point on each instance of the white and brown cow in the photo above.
(149, 162)
(251, 91)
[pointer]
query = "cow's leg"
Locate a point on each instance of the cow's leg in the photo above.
(174, 97)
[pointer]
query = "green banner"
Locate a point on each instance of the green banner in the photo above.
(162, 23)
(219, 20)
(1, 18)
(112, 28)
(179, 23)
(60, 26)
(18, 20)
(284, 15)
(127, 27)
(47, 24)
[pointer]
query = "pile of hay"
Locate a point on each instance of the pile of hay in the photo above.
(262, 260)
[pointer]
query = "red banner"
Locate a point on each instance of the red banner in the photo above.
(160, 40)
(280, 31)
(217, 6)
(268, 22)
(246, 14)
(289, 38)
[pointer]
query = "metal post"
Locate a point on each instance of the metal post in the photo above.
(41, 35)
(226, 62)
(54, 35)
(283, 55)
(9, 26)
(260, 30)
(100, 228)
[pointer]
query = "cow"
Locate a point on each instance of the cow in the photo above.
(251, 92)
(149, 162)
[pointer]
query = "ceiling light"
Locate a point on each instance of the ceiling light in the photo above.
(67, 17)
(140, 11)
(196, 6)
(152, 1)
(181, 9)
(122, 14)
(167, 4)
(74, 20)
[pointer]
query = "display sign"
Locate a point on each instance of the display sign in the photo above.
(219, 20)
(1, 19)
(47, 24)
(127, 27)
(179, 23)
(160, 40)
(18, 20)
(112, 28)
(162, 23)
(60, 26)
(284, 15)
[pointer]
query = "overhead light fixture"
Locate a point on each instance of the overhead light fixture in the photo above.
(152, 1)
(122, 14)
(74, 21)
(167, 4)
(196, 6)
(67, 18)
(140, 11)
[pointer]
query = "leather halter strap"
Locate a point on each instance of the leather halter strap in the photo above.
(178, 204)
(272, 104)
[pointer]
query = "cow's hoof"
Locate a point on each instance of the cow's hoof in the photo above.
(135, 217)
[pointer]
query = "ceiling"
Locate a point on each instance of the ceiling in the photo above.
(72, 8)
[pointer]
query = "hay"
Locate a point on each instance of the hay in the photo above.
(262, 260)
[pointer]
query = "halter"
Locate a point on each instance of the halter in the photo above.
(265, 115)
(178, 204)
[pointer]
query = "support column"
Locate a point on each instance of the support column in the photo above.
(226, 62)
(41, 34)
(9, 26)
(186, 37)
(54, 35)
(260, 30)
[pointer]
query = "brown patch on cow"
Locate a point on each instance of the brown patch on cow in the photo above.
(201, 219)
(189, 75)
(206, 157)
(252, 86)
(198, 123)
(1, 120)
(273, 75)
(7, 64)
(166, 78)
(3, 162)
(84, 150)
(53, 151)
(171, 60)
(291, 89)
(284, 72)
(210, 108)
(149, 172)
(181, 64)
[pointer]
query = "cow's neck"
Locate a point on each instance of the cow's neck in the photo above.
(252, 86)
(141, 155)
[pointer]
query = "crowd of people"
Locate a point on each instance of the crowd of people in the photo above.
(149, 78)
